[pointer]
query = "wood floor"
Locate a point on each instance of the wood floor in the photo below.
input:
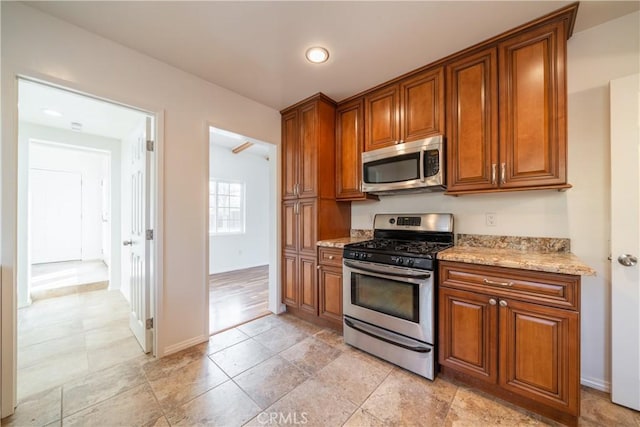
(238, 296)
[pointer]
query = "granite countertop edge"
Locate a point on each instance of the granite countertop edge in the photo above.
(537, 254)
(552, 262)
(339, 242)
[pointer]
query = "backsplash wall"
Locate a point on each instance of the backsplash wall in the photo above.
(526, 213)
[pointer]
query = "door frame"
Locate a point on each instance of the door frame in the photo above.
(8, 248)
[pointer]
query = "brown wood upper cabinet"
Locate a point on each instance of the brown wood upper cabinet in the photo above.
(506, 114)
(307, 143)
(408, 110)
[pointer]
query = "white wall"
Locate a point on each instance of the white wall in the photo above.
(595, 56)
(38, 45)
(250, 249)
(31, 131)
(90, 166)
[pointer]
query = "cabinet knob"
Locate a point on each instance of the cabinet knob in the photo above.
(503, 303)
(331, 257)
(317, 267)
(492, 301)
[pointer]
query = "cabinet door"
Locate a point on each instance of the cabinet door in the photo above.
(308, 285)
(330, 284)
(533, 145)
(290, 155)
(308, 154)
(422, 105)
(290, 225)
(539, 353)
(307, 220)
(349, 142)
(468, 333)
(472, 122)
(381, 118)
(290, 279)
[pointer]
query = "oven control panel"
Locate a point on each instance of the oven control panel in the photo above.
(410, 262)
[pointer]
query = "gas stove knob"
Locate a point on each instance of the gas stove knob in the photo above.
(409, 262)
(399, 261)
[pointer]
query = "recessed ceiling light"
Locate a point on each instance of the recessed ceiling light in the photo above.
(317, 55)
(52, 113)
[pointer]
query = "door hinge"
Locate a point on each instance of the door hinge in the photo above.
(150, 145)
(149, 323)
(149, 234)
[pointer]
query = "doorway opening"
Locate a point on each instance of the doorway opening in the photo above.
(241, 194)
(69, 219)
(78, 305)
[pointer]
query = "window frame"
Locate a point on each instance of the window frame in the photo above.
(213, 207)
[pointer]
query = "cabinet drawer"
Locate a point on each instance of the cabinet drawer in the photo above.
(330, 256)
(553, 289)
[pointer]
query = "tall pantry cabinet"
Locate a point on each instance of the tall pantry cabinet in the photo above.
(310, 211)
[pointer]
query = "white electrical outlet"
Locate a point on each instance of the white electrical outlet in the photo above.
(491, 219)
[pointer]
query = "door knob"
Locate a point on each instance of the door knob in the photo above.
(627, 260)
(127, 242)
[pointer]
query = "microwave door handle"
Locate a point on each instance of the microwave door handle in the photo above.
(422, 177)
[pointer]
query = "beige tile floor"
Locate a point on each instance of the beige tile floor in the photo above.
(274, 370)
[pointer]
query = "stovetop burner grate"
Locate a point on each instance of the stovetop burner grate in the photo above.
(407, 240)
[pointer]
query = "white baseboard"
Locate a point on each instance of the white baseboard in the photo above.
(596, 383)
(184, 344)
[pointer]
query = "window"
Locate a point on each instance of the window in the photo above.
(226, 207)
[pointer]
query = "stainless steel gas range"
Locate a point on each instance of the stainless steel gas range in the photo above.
(389, 289)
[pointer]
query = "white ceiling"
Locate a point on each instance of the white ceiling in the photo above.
(256, 48)
(230, 140)
(97, 117)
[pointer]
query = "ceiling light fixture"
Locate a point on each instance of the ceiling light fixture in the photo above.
(317, 55)
(52, 113)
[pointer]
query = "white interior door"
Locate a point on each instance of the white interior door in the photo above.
(137, 242)
(625, 241)
(56, 215)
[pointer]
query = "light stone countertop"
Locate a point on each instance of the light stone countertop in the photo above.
(356, 235)
(340, 242)
(539, 254)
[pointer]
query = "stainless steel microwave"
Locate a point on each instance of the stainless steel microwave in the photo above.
(416, 166)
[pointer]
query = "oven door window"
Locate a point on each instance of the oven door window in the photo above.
(395, 298)
(394, 169)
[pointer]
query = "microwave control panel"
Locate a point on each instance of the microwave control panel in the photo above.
(432, 162)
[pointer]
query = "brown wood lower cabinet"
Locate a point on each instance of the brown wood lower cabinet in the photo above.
(330, 285)
(513, 333)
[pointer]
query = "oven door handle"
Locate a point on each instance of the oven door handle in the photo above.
(385, 270)
(417, 349)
